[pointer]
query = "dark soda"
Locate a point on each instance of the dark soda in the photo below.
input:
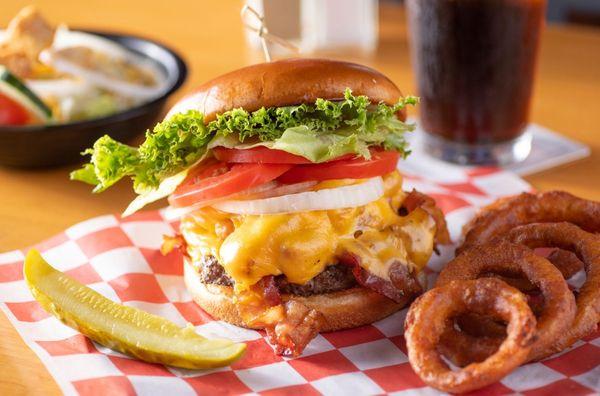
(475, 63)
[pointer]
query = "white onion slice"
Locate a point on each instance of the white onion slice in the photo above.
(170, 213)
(121, 87)
(327, 199)
(278, 190)
(267, 190)
(60, 88)
(66, 38)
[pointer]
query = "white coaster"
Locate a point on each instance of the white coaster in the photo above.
(549, 149)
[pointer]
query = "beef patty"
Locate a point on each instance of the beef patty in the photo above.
(334, 278)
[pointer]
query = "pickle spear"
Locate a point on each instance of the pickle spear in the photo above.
(125, 329)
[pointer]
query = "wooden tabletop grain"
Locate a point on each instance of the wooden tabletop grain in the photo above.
(35, 204)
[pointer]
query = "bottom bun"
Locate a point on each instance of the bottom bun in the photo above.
(342, 310)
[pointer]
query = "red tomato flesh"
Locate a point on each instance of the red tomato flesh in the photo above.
(381, 162)
(263, 155)
(258, 154)
(215, 180)
(11, 112)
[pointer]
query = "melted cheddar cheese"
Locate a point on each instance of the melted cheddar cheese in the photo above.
(301, 245)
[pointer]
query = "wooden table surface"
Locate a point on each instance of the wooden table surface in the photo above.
(37, 204)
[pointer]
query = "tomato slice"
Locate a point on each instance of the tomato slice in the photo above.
(263, 155)
(381, 162)
(11, 112)
(215, 180)
(259, 154)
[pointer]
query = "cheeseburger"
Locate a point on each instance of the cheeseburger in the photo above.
(292, 213)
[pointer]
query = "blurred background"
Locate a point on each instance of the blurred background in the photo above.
(586, 12)
(210, 34)
(212, 39)
(575, 11)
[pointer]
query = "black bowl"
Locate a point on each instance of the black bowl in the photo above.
(50, 145)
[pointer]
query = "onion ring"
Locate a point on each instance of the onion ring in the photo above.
(479, 335)
(468, 348)
(566, 262)
(586, 246)
(482, 326)
(559, 303)
(427, 319)
(526, 208)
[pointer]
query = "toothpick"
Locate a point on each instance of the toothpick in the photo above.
(263, 32)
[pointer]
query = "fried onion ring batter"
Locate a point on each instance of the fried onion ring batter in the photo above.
(559, 303)
(526, 208)
(427, 319)
(586, 247)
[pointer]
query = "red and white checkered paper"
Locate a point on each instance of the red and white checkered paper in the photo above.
(120, 258)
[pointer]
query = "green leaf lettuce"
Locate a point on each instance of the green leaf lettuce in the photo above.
(319, 132)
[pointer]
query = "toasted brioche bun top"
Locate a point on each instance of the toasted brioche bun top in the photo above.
(287, 82)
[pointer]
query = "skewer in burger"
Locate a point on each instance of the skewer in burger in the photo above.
(293, 217)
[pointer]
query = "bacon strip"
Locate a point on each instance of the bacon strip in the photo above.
(270, 290)
(402, 285)
(416, 199)
(405, 279)
(290, 326)
(173, 242)
(291, 335)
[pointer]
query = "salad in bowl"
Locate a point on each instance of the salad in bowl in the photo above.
(50, 74)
